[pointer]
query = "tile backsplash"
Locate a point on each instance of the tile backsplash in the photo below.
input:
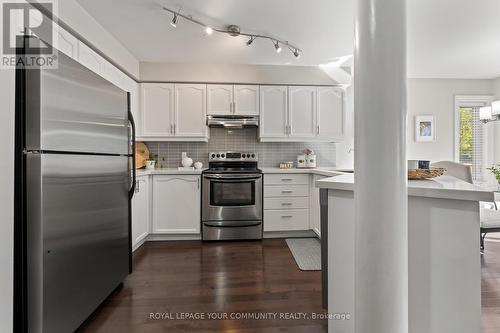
(271, 154)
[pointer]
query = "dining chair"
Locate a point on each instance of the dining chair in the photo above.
(488, 212)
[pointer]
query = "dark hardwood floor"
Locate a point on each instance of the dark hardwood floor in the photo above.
(232, 277)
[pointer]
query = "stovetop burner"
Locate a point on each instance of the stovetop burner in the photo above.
(232, 162)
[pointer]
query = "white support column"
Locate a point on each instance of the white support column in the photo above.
(381, 200)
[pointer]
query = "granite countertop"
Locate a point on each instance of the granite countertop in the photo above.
(443, 187)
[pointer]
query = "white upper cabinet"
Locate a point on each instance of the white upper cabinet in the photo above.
(225, 99)
(331, 120)
(173, 112)
(302, 112)
(273, 112)
(67, 43)
(246, 100)
(176, 204)
(90, 59)
(190, 111)
(157, 109)
(219, 99)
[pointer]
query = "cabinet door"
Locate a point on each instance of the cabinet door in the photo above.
(157, 102)
(246, 100)
(273, 112)
(315, 212)
(190, 110)
(176, 204)
(140, 210)
(67, 43)
(89, 58)
(330, 119)
(302, 106)
(219, 99)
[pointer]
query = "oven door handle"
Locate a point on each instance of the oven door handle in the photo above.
(233, 179)
(232, 224)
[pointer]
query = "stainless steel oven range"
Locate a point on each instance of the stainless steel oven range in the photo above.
(232, 197)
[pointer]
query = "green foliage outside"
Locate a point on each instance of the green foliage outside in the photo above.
(466, 135)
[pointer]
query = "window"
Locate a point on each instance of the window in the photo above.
(471, 140)
(469, 133)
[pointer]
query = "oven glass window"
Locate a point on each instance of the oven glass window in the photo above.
(232, 193)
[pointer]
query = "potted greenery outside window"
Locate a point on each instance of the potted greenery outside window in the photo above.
(495, 170)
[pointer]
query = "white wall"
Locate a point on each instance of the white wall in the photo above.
(6, 197)
(225, 73)
(437, 97)
(71, 13)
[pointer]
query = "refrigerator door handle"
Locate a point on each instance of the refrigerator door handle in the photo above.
(132, 123)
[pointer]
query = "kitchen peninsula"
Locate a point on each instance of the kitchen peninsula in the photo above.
(444, 284)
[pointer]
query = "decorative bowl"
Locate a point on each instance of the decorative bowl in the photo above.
(415, 174)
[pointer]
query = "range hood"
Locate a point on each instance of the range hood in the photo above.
(233, 121)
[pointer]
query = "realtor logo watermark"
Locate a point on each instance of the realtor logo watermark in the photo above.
(28, 35)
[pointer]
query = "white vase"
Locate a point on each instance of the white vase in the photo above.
(187, 162)
(150, 164)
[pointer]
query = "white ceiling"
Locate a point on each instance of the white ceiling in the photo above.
(446, 38)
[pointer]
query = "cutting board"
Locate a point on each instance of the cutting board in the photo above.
(141, 155)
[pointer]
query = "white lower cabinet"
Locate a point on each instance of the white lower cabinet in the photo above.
(140, 210)
(286, 202)
(315, 212)
(176, 204)
(286, 220)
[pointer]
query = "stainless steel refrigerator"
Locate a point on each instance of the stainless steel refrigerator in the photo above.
(74, 182)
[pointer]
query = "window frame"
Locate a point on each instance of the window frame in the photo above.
(466, 101)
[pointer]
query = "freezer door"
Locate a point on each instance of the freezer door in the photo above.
(72, 109)
(77, 236)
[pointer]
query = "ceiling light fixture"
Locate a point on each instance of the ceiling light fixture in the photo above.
(234, 30)
(174, 21)
(277, 47)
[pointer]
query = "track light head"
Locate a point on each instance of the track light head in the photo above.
(277, 47)
(174, 21)
(296, 53)
(250, 41)
(209, 30)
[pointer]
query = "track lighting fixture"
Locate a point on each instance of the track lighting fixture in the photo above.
(234, 31)
(250, 41)
(277, 47)
(174, 21)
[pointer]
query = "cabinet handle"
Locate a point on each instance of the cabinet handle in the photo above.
(286, 216)
(317, 130)
(198, 183)
(137, 186)
(286, 191)
(286, 203)
(175, 128)
(171, 129)
(286, 179)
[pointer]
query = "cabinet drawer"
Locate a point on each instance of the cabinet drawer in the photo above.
(287, 203)
(283, 178)
(285, 220)
(286, 191)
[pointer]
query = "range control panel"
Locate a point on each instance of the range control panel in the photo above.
(232, 156)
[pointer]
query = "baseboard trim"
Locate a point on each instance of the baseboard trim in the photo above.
(177, 237)
(289, 234)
